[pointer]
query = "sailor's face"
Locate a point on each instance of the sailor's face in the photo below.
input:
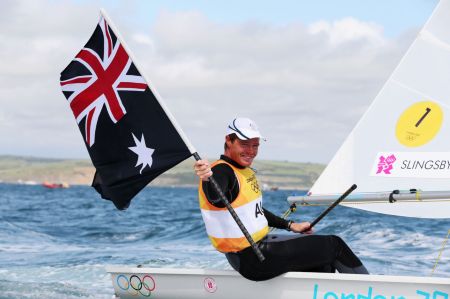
(243, 151)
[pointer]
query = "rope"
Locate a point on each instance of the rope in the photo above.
(418, 195)
(372, 202)
(440, 252)
(291, 209)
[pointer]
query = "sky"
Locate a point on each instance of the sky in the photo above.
(305, 71)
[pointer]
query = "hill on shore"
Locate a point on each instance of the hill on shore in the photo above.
(271, 174)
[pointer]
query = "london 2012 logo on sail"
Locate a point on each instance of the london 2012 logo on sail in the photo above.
(412, 164)
(386, 164)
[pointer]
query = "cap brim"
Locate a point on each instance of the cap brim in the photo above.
(247, 135)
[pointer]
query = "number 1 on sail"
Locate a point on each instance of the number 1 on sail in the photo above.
(423, 117)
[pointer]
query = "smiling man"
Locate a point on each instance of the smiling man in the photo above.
(239, 183)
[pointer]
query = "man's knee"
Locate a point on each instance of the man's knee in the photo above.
(337, 241)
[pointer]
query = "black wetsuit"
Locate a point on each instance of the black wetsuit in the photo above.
(283, 253)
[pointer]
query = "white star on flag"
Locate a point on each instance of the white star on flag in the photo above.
(143, 152)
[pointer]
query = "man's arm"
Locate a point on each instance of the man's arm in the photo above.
(275, 221)
(227, 181)
(278, 222)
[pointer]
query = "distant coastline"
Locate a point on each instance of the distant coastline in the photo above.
(33, 170)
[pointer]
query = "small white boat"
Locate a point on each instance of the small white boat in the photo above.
(390, 149)
(131, 282)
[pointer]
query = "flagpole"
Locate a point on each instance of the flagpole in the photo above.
(185, 139)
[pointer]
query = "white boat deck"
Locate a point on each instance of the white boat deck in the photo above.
(133, 282)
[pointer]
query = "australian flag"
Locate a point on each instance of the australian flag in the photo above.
(128, 134)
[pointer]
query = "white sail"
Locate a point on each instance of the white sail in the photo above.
(403, 140)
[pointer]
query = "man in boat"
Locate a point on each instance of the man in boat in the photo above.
(283, 253)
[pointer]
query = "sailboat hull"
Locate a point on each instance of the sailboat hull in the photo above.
(190, 283)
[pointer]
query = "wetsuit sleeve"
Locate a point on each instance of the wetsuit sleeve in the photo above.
(225, 177)
(275, 221)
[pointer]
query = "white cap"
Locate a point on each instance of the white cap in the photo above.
(244, 128)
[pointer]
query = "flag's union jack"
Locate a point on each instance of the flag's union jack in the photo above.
(108, 75)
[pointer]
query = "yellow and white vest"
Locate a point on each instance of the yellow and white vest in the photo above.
(221, 228)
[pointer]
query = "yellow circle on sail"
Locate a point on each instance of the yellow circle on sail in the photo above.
(419, 124)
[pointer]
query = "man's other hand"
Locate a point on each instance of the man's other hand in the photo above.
(302, 227)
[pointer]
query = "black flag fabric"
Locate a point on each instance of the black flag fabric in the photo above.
(129, 137)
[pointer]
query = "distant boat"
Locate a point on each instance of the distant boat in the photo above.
(266, 187)
(55, 185)
(30, 183)
(21, 182)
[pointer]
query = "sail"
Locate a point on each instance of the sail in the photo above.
(402, 142)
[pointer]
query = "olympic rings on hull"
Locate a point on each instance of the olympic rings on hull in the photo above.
(136, 285)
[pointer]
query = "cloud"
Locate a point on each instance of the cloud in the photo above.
(306, 85)
(348, 30)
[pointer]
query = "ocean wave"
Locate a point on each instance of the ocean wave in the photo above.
(56, 244)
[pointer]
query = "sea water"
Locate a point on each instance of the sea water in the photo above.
(55, 243)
